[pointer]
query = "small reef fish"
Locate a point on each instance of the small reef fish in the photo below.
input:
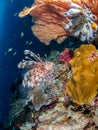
(10, 49)
(15, 14)
(22, 34)
(29, 43)
(14, 53)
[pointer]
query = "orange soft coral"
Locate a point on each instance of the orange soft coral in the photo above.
(83, 85)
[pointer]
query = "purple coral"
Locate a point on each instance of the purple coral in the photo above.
(66, 55)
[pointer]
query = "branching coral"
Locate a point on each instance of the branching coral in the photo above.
(83, 85)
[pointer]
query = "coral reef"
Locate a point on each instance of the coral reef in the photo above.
(61, 118)
(43, 102)
(43, 81)
(96, 117)
(15, 112)
(83, 85)
(39, 99)
(58, 19)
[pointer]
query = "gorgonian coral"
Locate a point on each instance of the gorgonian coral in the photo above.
(58, 19)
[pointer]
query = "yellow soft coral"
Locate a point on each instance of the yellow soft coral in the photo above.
(83, 85)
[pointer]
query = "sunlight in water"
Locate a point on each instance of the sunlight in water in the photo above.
(3, 5)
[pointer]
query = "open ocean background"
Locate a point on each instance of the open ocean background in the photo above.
(11, 42)
(11, 27)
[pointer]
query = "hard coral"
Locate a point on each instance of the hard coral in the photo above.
(83, 85)
(39, 98)
(60, 118)
(57, 19)
(96, 117)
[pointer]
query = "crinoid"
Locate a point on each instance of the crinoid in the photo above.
(82, 22)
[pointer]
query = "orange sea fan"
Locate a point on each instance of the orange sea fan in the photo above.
(92, 4)
(50, 21)
(62, 3)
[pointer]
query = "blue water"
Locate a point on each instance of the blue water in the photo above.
(10, 30)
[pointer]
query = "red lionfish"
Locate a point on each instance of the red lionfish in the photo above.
(39, 72)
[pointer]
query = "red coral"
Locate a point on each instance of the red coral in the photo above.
(66, 55)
